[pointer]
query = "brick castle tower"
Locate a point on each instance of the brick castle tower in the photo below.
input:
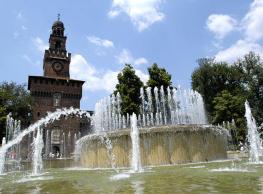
(56, 90)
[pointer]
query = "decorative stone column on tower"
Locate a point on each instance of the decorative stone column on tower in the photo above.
(56, 90)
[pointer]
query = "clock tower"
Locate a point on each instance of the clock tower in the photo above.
(56, 59)
(55, 90)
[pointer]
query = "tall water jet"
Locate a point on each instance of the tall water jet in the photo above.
(37, 160)
(3, 141)
(253, 136)
(136, 159)
(47, 144)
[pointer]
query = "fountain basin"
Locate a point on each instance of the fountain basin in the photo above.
(158, 146)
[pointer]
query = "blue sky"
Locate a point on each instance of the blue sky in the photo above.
(103, 35)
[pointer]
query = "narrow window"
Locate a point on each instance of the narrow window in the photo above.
(57, 99)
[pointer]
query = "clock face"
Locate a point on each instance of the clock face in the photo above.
(57, 66)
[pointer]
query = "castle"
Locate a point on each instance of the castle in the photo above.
(55, 90)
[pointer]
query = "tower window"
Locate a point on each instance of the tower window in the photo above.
(58, 45)
(57, 99)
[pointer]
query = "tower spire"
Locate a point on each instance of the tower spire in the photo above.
(58, 16)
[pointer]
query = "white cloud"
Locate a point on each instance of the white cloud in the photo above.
(238, 50)
(221, 25)
(40, 44)
(24, 27)
(19, 15)
(251, 28)
(140, 61)
(16, 35)
(142, 13)
(252, 23)
(100, 42)
(125, 56)
(30, 61)
(144, 77)
(95, 80)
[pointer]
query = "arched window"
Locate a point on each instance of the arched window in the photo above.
(57, 99)
(57, 45)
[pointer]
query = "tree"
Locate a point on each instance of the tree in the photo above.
(16, 99)
(211, 78)
(129, 88)
(225, 87)
(228, 107)
(158, 77)
(251, 69)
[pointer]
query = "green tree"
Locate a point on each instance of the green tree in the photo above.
(211, 78)
(225, 87)
(251, 69)
(16, 99)
(228, 107)
(158, 77)
(129, 88)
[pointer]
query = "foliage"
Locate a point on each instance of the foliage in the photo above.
(228, 107)
(251, 69)
(225, 87)
(129, 88)
(16, 99)
(158, 77)
(213, 77)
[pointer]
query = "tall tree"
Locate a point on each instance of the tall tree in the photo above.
(211, 78)
(158, 77)
(16, 99)
(228, 107)
(225, 87)
(129, 88)
(251, 69)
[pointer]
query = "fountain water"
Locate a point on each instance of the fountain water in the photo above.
(253, 136)
(158, 107)
(51, 117)
(38, 146)
(136, 161)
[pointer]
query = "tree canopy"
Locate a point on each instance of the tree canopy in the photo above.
(129, 88)
(15, 99)
(225, 87)
(158, 77)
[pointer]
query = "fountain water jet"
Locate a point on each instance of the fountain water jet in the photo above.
(136, 159)
(253, 136)
(38, 146)
(51, 117)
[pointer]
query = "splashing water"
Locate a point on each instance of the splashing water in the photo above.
(38, 146)
(79, 145)
(253, 136)
(136, 159)
(158, 107)
(3, 141)
(51, 117)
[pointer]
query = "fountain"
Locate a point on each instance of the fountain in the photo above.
(136, 160)
(51, 117)
(3, 141)
(173, 129)
(253, 136)
(38, 145)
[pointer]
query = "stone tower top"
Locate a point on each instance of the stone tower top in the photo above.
(56, 59)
